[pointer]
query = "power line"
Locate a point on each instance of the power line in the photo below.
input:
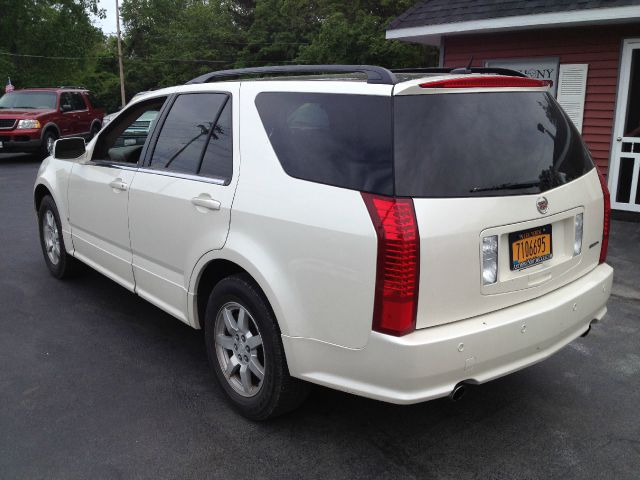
(148, 59)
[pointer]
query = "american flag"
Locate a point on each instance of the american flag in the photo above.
(9, 87)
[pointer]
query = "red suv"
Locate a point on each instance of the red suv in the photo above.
(32, 119)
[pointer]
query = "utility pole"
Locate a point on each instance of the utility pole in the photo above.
(124, 101)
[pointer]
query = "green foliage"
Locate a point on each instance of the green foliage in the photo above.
(167, 42)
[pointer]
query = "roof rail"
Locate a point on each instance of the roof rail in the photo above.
(377, 75)
(76, 87)
(462, 70)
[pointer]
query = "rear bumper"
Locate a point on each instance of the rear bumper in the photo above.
(428, 363)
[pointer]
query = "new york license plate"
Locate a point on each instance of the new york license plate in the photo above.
(530, 247)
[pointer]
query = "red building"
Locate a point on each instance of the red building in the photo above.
(590, 49)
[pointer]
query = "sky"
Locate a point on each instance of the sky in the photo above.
(108, 25)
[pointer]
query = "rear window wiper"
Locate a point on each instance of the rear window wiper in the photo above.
(506, 186)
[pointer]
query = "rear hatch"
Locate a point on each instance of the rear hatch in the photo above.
(490, 167)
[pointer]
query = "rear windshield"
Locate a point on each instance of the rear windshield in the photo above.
(445, 145)
(484, 144)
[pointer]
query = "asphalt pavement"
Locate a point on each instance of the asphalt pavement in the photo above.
(97, 383)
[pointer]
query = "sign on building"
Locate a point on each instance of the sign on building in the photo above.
(540, 68)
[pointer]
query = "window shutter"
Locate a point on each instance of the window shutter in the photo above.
(572, 88)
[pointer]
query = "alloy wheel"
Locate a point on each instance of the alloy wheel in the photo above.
(239, 349)
(51, 237)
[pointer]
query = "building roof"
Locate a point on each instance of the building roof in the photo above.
(428, 20)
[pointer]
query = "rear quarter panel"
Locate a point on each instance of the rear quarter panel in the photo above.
(313, 245)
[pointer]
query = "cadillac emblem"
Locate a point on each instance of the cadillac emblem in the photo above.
(543, 205)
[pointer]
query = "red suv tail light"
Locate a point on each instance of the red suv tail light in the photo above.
(397, 272)
(606, 221)
(487, 81)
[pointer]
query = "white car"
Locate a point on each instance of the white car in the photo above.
(392, 235)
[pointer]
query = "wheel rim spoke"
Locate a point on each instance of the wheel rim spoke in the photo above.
(254, 341)
(256, 368)
(242, 320)
(225, 341)
(245, 378)
(232, 367)
(229, 321)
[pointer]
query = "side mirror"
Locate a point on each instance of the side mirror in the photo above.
(65, 107)
(69, 148)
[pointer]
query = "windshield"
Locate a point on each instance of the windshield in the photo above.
(484, 144)
(43, 100)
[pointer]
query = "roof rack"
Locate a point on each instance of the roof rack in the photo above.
(376, 75)
(72, 87)
(462, 70)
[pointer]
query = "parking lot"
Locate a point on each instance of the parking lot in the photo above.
(97, 383)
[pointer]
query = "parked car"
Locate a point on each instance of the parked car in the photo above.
(107, 118)
(32, 119)
(397, 237)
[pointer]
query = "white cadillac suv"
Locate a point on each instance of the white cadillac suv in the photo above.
(395, 235)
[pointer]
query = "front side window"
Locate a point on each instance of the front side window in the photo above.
(65, 102)
(123, 139)
(77, 102)
(195, 136)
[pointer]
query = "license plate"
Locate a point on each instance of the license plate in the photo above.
(530, 247)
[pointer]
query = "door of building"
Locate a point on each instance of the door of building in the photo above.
(624, 181)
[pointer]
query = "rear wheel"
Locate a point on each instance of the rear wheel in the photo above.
(245, 351)
(59, 262)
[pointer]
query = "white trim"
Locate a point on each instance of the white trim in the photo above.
(629, 45)
(430, 34)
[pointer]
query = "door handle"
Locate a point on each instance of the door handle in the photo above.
(119, 185)
(205, 201)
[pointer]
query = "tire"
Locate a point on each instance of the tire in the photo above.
(59, 262)
(48, 140)
(257, 398)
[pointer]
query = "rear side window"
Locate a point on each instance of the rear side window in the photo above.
(186, 132)
(484, 144)
(335, 139)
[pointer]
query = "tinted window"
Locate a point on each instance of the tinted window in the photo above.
(341, 140)
(77, 102)
(218, 156)
(484, 144)
(185, 132)
(65, 101)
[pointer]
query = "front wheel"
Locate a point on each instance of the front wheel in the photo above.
(245, 351)
(59, 262)
(48, 139)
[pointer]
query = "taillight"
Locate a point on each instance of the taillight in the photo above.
(397, 271)
(487, 81)
(606, 221)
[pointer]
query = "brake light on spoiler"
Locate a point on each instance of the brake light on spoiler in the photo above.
(487, 81)
(397, 271)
